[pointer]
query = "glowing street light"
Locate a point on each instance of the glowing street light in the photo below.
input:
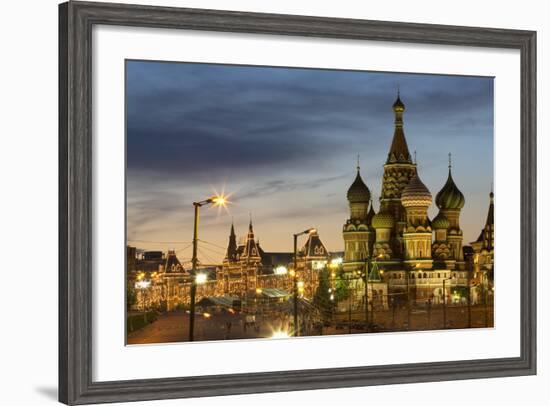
(219, 200)
(280, 334)
(201, 278)
(336, 262)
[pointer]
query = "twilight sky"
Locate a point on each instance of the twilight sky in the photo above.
(284, 143)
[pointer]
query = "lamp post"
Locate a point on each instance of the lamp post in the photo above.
(296, 331)
(367, 272)
(485, 296)
(429, 312)
(445, 303)
(367, 275)
(218, 201)
(470, 294)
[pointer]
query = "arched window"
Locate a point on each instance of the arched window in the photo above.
(424, 276)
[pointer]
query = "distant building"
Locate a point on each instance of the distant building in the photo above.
(247, 267)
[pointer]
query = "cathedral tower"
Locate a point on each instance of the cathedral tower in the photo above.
(399, 169)
(356, 230)
(450, 201)
(417, 234)
(231, 254)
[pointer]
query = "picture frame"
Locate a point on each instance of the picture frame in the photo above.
(76, 384)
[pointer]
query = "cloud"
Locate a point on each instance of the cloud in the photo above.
(278, 136)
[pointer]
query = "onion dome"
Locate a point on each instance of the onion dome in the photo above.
(358, 192)
(440, 222)
(450, 197)
(398, 105)
(416, 194)
(383, 220)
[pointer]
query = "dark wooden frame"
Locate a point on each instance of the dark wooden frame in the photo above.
(75, 179)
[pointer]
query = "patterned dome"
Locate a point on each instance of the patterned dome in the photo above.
(358, 192)
(416, 194)
(450, 197)
(383, 220)
(440, 222)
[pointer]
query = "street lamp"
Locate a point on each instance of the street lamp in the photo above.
(367, 275)
(219, 201)
(485, 296)
(296, 331)
(445, 303)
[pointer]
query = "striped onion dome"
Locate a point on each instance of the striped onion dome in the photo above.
(440, 222)
(450, 197)
(416, 194)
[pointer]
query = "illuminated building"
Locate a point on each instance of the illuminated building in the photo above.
(247, 267)
(415, 254)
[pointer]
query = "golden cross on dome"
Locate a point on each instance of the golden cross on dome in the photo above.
(449, 160)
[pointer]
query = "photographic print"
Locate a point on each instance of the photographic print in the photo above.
(274, 202)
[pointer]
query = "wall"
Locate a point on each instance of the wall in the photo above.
(28, 164)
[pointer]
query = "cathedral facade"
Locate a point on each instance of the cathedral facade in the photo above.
(419, 259)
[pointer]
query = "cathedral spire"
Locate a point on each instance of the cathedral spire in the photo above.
(232, 246)
(399, 151)
(491, 214)
(251, 250)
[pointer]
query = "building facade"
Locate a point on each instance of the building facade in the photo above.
(248, 269)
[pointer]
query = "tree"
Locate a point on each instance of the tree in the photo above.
(322, 298)
(131, 297)
(343, 289)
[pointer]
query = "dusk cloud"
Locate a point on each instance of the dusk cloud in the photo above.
(284, 138)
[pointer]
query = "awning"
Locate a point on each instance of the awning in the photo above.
(275, 293)
(225, 301)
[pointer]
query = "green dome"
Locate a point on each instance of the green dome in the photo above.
(440, 222)
(416, 194)
(383, 220)
(450, 197)
(358, 192)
